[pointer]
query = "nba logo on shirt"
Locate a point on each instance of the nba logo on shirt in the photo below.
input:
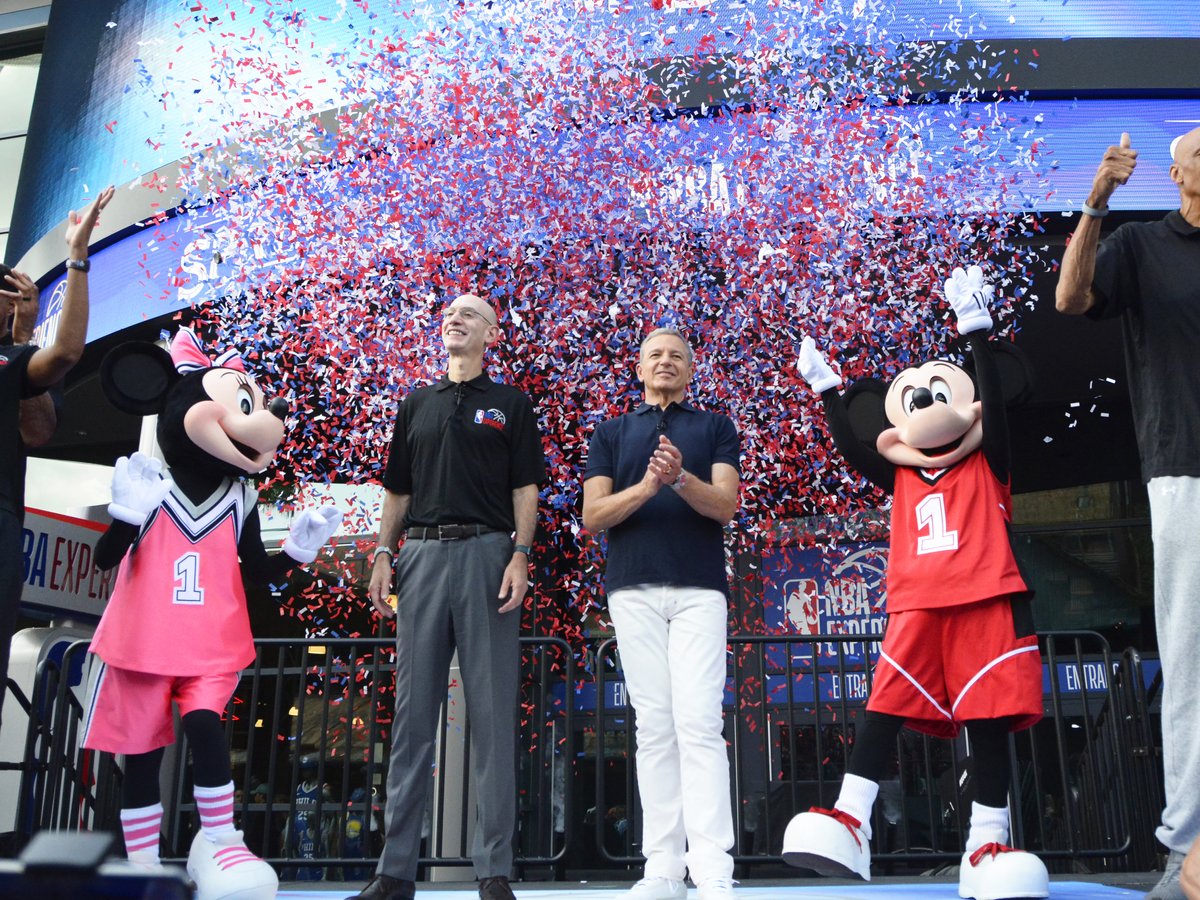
(492, 417)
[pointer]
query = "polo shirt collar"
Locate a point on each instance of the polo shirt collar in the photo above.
(480, 382)
(648, 407)
(1177, 223)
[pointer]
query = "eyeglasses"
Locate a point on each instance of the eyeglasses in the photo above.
(466, 313)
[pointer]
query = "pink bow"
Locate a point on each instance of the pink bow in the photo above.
(188, 356)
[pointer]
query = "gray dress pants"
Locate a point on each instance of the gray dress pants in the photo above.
(447, 598)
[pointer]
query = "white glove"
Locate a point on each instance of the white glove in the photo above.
(969, 296)
(815, 370)
(310, 531)
(139, 486)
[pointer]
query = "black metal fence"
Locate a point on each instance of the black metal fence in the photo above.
(310, 724)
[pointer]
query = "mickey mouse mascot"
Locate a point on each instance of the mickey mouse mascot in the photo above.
(959, 648)
(176, 630)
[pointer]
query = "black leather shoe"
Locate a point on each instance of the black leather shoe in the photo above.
(385, 887)
(495, 888)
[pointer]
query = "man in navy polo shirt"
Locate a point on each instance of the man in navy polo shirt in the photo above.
(461, 488)
(663, 482)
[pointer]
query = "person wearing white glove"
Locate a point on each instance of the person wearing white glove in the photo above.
(311, 530)
(176, 632)
(970, 296)
(815, 369)
(959, 650)
(139, 486)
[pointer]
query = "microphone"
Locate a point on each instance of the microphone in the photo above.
(662, 425)
(458, 395)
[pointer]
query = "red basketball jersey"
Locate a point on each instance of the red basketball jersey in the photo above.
(178, 607)
(950, 542)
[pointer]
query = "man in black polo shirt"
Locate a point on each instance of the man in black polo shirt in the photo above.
(1148, 274)
(462, 487)
(663, 482)
(26, 370)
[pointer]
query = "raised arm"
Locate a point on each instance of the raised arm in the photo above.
(970, 297)
(863, 459)
(1073, 295)
(50, 364)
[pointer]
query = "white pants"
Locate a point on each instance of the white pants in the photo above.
(1174, 521)
(672, 642)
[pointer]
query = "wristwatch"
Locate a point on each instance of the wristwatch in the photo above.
(81, 265)
(679, 482)
(522, 548)
(378, 550)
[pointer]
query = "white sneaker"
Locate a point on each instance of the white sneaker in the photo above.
(227, 870)
(829, 841)
(997, 872)
(656, 889)
(715, 888)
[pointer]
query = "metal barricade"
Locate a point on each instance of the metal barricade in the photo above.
(309, 729)
(793, 706)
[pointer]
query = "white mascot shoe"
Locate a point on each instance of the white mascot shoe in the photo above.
(227, 870)
(997, 872)
(828, 841)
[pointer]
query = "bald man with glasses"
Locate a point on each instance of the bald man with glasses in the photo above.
(461, 489)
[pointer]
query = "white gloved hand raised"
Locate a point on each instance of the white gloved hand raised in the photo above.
(969, 297)
(310, 531)
(139, 486)
(814, 369)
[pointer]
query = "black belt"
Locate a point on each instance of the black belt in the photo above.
(447, 532)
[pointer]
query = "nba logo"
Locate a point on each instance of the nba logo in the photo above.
(803, 605)
(479, 417)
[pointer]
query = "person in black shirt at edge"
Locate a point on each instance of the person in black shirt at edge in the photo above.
(461, 486)
(1148, 275)
(26, 371)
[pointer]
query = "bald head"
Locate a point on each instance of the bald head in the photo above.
(1185, 145)
(476, 303)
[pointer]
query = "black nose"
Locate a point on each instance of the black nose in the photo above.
(922, 398)
(279, 407)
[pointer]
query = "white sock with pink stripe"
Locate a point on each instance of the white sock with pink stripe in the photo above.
(141, 828)
(215, 805)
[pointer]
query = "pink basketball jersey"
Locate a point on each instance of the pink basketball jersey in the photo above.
(178, 607)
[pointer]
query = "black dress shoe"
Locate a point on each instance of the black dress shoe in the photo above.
(495, 888)
(385, 887)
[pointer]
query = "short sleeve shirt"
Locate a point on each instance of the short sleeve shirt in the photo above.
(1148, 273)
(459, 451)
(14, 387)
(665, 541)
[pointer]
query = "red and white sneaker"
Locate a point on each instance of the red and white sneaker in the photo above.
(227, 870)
(997, 872)
(829, 841)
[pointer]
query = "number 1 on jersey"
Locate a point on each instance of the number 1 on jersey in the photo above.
(931, 514)
(187, 579)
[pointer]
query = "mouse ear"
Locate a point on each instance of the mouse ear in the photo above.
(1015, 368)
(136, 377)
(864, 405)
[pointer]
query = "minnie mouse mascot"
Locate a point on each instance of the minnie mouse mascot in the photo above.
(176, 630)
(959, 649)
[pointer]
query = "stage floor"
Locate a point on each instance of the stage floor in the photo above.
(1112, 887)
